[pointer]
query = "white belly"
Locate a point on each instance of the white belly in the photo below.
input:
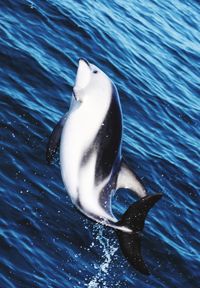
(79, 132)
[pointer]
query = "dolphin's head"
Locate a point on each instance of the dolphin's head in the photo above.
(90, 80)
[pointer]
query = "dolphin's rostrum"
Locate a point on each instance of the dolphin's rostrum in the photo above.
(92, 166)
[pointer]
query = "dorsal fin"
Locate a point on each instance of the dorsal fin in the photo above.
(128, 180)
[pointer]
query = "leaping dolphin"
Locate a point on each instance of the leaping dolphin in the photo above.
(92, 166)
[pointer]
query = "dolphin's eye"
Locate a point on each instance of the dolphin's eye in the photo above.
(95, 71)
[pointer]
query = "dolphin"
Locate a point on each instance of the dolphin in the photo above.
(92, 165)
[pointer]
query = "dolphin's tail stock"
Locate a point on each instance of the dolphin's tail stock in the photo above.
(130, 242)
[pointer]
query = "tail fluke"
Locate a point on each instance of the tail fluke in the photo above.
(134, 219)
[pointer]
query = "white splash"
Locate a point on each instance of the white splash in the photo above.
(108, 250)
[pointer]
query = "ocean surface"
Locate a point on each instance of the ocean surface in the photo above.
(151, 50)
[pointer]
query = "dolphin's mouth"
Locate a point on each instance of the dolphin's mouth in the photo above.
(74, 94)
(83, 75)
(84, 60)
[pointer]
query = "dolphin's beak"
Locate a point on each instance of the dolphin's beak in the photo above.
(83, 75)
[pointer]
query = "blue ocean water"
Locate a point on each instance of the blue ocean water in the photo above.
(151, 50)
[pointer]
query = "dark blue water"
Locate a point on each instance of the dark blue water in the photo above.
(151, 50)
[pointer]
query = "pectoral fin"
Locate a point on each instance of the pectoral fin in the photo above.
(128, 180)
(54, 139)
